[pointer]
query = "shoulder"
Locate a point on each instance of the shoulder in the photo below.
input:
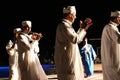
(107, 26)
(22, 35)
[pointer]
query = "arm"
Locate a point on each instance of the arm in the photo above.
(71, 35)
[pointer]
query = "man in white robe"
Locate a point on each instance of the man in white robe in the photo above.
(67, 56)
(110, 48)
(12, 50)
(29, 63)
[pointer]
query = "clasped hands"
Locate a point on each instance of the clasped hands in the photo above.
(86, 23)
(36, 36)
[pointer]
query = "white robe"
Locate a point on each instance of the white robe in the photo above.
(29, 64)
(110, 52)
(14, 73)
(67, 56)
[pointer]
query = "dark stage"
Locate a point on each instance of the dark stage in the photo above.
(45, 15)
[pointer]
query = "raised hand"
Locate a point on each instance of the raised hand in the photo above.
(37, 36)
(86, 24)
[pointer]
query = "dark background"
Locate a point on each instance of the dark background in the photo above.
(45, 15)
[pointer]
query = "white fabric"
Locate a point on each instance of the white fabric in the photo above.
(29, 63)
(69, 9)
(14, 72)
(67, 56)
(17, 30)
(110, 52)
(27, 23)
(115, 14)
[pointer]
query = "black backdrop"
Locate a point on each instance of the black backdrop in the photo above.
(45, 16)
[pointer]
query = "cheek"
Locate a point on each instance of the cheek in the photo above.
(119, 21)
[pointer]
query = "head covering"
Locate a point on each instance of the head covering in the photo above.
(115, 14)
(69, 9)
(27, 23)
(17, 30)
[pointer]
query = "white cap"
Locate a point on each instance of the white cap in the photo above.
(17, 30)
(26, 23)
(115, 14)
(69, 9)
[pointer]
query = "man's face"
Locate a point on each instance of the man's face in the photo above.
(27, 29)
(118, 20)
(73, 16)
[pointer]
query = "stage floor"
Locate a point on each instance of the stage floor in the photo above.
(97, 74)
(52, 75)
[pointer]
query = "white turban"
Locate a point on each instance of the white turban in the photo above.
(26, 23)
(17, 30)
(69, 9)
(115, 14)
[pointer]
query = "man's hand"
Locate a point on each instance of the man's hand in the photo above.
(86, 24)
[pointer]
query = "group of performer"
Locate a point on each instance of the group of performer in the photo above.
(24, 62)
(23, 59)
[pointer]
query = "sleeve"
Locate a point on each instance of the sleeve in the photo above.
(9, 45)
(81, 34)
(71, 35)
(35, 46)
(24, 42)
(10, 48)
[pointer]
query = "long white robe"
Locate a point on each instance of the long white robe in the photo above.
(110, 52)
(29, 64)
(67, 56)
(14, 73)
(35, 68)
